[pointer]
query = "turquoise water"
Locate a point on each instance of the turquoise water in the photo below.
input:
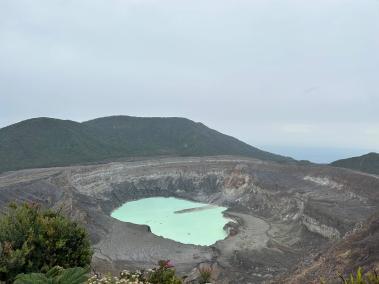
(202, 227)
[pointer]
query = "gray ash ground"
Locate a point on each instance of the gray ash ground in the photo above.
(284, 213)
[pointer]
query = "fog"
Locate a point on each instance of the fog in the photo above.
(279, 74)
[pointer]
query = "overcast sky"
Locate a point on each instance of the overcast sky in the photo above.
(279, 74)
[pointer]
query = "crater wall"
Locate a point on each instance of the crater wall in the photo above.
(285, 213)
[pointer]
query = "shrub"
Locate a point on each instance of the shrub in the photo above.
(56, 275)
(126, 277)
(36, 240)
(163, 274)
(359, 278)
(205, 275)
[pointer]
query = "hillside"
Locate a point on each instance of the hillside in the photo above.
(368, 163)
(47, 142)
(286, 214)
(356, 250)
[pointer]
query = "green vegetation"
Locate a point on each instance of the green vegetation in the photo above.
(46, 142)
(42, 246)
(358, 278)
(163, 274)
(33, 240)
(56, 275)
(205, 275)
(368, 163)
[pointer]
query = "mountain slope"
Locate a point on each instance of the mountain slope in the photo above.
(46, 142)
(172, 136)
(368, 163)
(345, 256)
(43, 142)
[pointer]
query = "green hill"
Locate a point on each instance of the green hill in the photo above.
(368, 163)
(46, 142)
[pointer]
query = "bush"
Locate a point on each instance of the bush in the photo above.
(205, 275)
(358, 278)
(36, 240)
(163, 274)
(56, 275)
(126, 277)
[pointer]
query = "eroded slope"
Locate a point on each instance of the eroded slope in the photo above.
(284, 213)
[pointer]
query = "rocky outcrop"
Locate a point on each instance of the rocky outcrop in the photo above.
(357, 249)
(316, 227)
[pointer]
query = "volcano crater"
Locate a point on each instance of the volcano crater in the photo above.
(283, 214)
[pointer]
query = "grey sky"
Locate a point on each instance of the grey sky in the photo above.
(270, 72)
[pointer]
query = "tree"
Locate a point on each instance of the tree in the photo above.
(36, 240)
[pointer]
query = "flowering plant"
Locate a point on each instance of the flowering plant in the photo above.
(163, 274)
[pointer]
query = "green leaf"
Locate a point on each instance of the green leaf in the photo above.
(32, 278)
(54, 271)
(75, 275)
(359, 275)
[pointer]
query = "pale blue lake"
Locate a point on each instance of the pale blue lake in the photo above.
(199, 227)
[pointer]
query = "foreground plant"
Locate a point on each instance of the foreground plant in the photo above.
(163, 274)
(56, 275)
(33, 240)
(205, 275)
(359, 278)
(126, 277)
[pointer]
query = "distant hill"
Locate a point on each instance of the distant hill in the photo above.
(47, 142)
(368, 163)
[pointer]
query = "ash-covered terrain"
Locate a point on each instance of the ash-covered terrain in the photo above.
(286, 214)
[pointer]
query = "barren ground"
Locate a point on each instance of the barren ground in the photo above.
(285, 214)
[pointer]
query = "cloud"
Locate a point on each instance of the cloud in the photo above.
(297, 128)
(284, 72)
